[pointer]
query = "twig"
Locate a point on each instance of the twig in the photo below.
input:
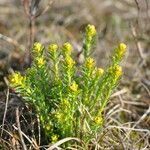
(116, 107)
(12, 41)
(31, 31)
(142, 138)
(39, 130)
(7, 132)
(146, 88)
(147, 8)
(19, 130)
(142, 118)
(127, 128)
(138, 44)
(26, 7)
(62, 141)
(119, 92)
(137, 4)
(32, 17)
(138, 9)
(46, 8)
(30, 8)
(29, 140)
(5, 111)
(134, 103)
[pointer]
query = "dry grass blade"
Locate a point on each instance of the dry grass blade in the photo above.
(142, 118)
(39, 130)
(46, 8)
(19, 130)
(12, 41)
(26, 6)
(31, 141)
(62, 142)
(123, 91)
(133, 129)
(34, 7)
(5, 111)
(138, 44)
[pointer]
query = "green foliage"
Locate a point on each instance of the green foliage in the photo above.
(69, 99)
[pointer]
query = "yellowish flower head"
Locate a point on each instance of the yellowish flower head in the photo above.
(40, 61)
(16, 79)
(65, 103)
(59, 116)
(121, 49)
(90, 62)
(48, 127)
(69, 61)
(74, 87)
(100, 71)
(37, 47)
(118, 71)
(67, 48)
(41, 118)
(90, 30)
(54, 138)
(122, 46)
(98, 120)
(53, 47)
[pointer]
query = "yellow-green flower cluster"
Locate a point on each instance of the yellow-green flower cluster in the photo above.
(54, 138)
(59, 116)
(48, 127)
(98, 120)
(90, 31)
(16, 79)
(118, 71)
(53, 48)
(37, 48)
(74, 87)
(65, 103)
(69, 61)
(67, 48)
(89, 40)
(89, 62)
(40, 61)
(99, 71)
(121, 49)
(119, 53)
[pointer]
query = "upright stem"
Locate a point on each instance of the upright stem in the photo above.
(28, 57)
(31, 31)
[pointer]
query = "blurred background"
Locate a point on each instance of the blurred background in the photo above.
(59, 21)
